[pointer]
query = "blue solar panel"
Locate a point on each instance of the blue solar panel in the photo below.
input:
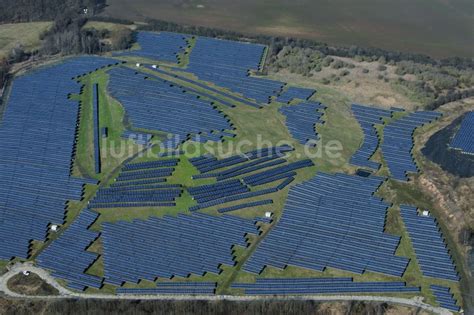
(140, 185)
(227, 64)
(464, 138)
(367, 118)
(174, 288)
(34, 188)
(331, 221)
(279, 286)
(295, 93)
(302, 119)
(206, 90)
(444, 298)
(246, 205)
(162, 46)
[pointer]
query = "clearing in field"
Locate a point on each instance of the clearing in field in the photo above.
(216, 181)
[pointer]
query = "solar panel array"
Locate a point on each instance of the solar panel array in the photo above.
(295, 92)
(286, 286)
(156, 105)
(246, 205)
(227, 64)
(209, 166)
(140, 185)
(464, 138)
(302, 119)
(368, 117)
(171, 246)
(162, 46)
(37, 137)
(331, 221)
(174, 288)
(67, 256)
(398, 142)
(208, 88)
(445, 298)
(431, 252)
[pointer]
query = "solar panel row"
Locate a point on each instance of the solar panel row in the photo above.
(295, 92)
(431, 252)
(254, 179)
(188, 244)
(192, 291)
(203, 91)
(151, 164)
(228, 188)
(368, 117)
(139, 189)
(464, 138)
(174, 288)
(159, 46)
(95, 111)
(227, 64)
(246, 205)
(110, 205)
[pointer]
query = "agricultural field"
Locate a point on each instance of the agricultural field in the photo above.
(183, 170)
(24, 35)
(401, 26)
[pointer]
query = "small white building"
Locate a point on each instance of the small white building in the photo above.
(26, 273)
(54, 228)
(154, 66)
(268, 214)
(425, 213)
(138, 65)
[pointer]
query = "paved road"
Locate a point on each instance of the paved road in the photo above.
(65, 293)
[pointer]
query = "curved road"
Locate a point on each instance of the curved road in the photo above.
(65, 293)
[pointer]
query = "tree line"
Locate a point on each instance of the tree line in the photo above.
(135, 307)
(277, 43)
(67, 36)
(14, 11)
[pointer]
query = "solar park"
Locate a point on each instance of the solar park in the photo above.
(268, 221)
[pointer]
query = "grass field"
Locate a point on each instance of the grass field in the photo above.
(24, 34)
(413, 26)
